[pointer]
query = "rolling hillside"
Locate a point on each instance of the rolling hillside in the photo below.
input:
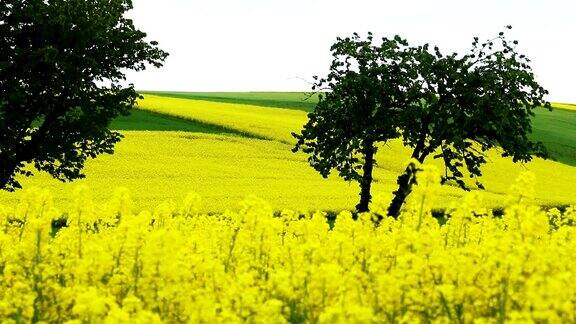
(226, 151)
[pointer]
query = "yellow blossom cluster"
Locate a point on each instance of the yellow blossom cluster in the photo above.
(175, 264)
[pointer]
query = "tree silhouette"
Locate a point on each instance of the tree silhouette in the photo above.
(366, 87)
(62, 64)
(469, 105)
(451, 107)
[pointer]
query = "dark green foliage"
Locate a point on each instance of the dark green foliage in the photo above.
(62, 65)
(469, 104)
(451, 107)
(366, 85)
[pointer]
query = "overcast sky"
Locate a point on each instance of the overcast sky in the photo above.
(272, 45)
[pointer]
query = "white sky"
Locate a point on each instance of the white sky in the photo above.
(271, 45)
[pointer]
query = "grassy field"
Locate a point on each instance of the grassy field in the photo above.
(225, 152)
(557, 130)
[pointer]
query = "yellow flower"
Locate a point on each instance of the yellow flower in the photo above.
(250, 265)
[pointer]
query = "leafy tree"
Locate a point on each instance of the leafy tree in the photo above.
(367, 84)
(469, 104)
(62, 65)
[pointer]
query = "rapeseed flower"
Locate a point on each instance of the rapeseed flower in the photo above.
(175, 264)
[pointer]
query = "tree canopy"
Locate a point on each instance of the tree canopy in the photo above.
(451, 107)
(366, 84)
(62, 75)
(470, 104)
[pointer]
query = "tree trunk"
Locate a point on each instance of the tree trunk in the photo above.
(366, 181)
(405, 182)
(4, 178)
(408, 178)
(7, 167)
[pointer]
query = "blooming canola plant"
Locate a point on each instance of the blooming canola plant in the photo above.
(176, 264)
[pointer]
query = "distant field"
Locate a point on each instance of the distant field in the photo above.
(277, 124)
(151, 121)
(225, 152)
(557, 130)
(290, 100)
(264, 122)
(565, 106)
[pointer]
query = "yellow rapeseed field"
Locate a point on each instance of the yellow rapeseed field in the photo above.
(565, 106)
(555, 180)
(271, 123)
(160, 166)
(164, 165)
(175, 264)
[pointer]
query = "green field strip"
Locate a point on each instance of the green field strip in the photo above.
(289, 100)
(142, 120)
